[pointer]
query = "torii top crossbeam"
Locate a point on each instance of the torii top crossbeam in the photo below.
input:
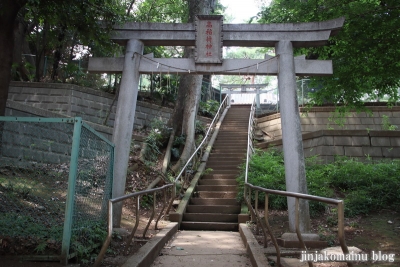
(247, 35)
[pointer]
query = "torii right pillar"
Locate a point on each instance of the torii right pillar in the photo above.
(295, 173)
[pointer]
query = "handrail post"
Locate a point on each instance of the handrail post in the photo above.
(132, 235)
(162, 209)
(152, 214)
(340, 211)
(256, 208)
(173, 194)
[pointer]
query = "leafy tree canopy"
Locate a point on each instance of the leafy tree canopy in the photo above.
(365, 53)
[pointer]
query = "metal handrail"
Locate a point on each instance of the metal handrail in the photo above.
(113, 201)
(221, 108)
(218, 113)
(297, 196)
(254, 211)
(250, 148)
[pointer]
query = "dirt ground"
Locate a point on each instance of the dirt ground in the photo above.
(139, 176)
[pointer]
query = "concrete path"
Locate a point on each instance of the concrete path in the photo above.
(204, 248)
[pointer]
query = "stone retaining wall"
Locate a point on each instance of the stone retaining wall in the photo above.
(321, 118)
(75, 101)
(15, 109)
(28, 99)
(362, 144)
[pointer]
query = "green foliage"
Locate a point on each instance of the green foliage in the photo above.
(209, 108)
(87, 240)
(386, 125)
(146, 201)
(162, 11)
(200, 128)
(155, 140)
(19, 225)
(267, 170)
(364, 186)
(63, 29)
(363, 52)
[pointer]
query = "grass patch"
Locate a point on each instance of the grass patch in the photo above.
(364, 186)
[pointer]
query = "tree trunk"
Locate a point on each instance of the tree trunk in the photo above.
(190, 88)
(9, 10)
(184, 117)
(58, 53)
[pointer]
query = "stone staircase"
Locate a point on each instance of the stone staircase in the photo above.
(213, 205)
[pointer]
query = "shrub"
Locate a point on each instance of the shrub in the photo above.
(364, 186)
(209, 108)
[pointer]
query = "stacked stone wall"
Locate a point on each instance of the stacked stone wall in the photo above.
(75, 101)
(361, 144)
(323, 118)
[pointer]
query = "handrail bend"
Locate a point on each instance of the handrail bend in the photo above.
(254, 211)
(136, 195)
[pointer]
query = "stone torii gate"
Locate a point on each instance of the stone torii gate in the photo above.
(209, 35)
(244, 88)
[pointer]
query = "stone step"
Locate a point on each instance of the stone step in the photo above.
(218, 156)
(233, 171)
(232, 163)
(233, 133)
(228, 150)
(224, 188)
(222, 209)
(218, 176)
(214, 158)
(223, 166)
(210, 217)
(213, 201)
(215, 194)
(210, 226)
(217, 182)
(237, 143)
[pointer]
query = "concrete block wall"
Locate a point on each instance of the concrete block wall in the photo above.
(46, 145)
(321, 118)
(24, 143)
(15, 109)
(68, 100)
(72, 100)
(361, 144)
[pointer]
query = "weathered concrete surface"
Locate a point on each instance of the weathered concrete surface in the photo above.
(124, 120)
(254, 250)
(204, 248)
(295, 174)
(262, 35)
(146, 254)
(149, 65)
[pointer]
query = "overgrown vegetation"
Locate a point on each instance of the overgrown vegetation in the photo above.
(158, 137)
(209, 108)
(155, 140)
(364, 186)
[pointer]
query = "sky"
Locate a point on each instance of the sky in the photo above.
(242, 10)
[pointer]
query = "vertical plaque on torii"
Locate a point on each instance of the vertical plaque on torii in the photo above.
(208, 39)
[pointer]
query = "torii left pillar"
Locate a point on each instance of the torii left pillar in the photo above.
(124, 119)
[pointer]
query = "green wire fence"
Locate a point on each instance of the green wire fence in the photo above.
(55, 182)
